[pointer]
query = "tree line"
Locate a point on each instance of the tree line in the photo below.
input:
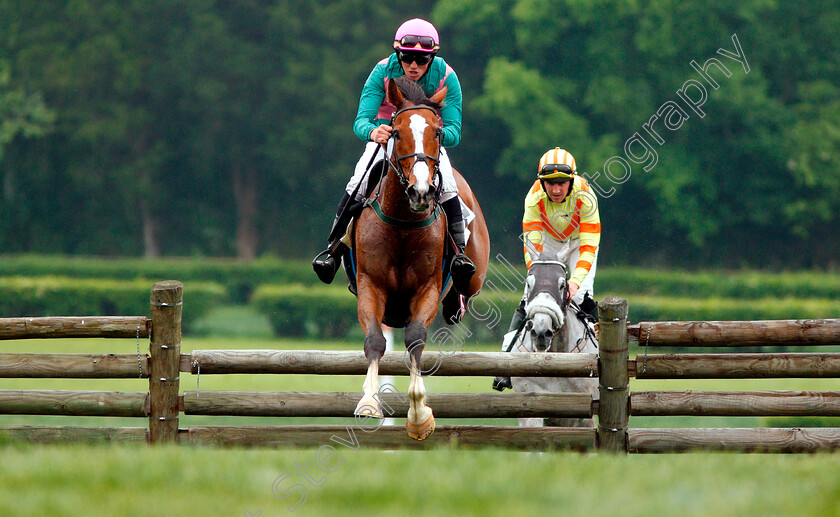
(176, 127)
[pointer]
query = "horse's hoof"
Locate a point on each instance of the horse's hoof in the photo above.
(422, 431)
(368, 409)
(502, 383)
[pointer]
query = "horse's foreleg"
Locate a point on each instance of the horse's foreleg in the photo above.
(370, 317)
(374, 349)
(420, 422)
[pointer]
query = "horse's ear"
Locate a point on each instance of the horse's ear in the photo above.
(440, 96)
(393, 94)
(565, 252)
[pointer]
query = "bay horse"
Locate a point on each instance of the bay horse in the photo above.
(399, 240)
(552, 325)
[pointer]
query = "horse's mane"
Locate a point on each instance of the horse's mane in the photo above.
(414, 93)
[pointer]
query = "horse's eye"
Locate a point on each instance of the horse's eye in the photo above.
(530, 281)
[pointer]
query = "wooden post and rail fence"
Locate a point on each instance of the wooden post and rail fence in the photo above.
(163, 404)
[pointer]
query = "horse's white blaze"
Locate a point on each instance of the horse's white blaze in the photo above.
(422, 173)
(542, 323)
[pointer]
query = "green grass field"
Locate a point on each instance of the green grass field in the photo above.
(140, 481)
(123, 480)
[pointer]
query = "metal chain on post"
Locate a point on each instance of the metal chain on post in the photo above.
(139, 362)
(647, 341)
(197, 366)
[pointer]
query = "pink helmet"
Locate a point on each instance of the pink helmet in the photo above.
(417, 35)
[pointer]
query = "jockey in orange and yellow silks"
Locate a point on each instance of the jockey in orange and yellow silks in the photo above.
(549, 225)
(561, 217)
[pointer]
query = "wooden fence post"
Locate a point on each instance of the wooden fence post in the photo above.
(613, 376)
(165, 354)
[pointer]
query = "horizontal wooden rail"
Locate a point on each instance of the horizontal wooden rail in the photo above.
(79, 403)
(393, 363)
(393, 437)
(810, 439)
(75, 327)
(71, 434)
(735, 366)
(80, 366)
(735, 403)
(736, 333)
(342, 404)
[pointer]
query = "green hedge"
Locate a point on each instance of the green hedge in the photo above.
(298, 305)
(645, 307)
(239, 278)
(61, 296)
(727, 284)
(747, 284)
(330, 311)
(671, 308)
(303, 310)
(242, 278)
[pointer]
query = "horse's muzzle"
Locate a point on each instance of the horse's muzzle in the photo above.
(542, 340)
(418, 202)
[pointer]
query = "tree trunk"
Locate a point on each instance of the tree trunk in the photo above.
(9, 185)
(245, 191)
(151, 246)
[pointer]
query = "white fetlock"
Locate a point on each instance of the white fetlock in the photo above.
(369, 404)
(420, 423)
(369, 407)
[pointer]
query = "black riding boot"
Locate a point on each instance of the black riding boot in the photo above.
(502, 383)
(462, 268)
(327, 262)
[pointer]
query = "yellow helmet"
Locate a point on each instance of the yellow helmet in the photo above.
(556, 164)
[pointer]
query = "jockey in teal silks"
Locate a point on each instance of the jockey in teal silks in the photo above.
(416, 44)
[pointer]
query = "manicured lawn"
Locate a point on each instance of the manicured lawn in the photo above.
(135, 481)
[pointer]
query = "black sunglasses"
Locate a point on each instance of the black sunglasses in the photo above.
(425, 42)
(555, 167)
(421, 58)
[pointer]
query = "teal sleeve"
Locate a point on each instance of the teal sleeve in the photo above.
(373, 94)
(451, 112)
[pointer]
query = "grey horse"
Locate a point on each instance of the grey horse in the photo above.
(552, 325)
